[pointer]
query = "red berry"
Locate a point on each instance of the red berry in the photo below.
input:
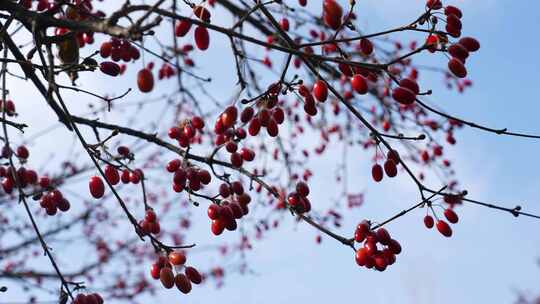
(109, 68)
(150, 216)
(394, 246)
(182, 28)
(96, 186)
(457, 68)
(403, 95)
(471, 44)
(193, 275)
(451, 216)
(377, 172)
(247, 154)
(444, 228)
(359, 84)
(182, 283)
(428, 221)
(459, 51)
(218, 225)
(383, 236)
(236, 160)
(247, 114)
(410, 84)
(213, 211)
(452, 10)
(393, 155)
(166, 277)
(434, 4)
(197, 122)
(145, 80)
(202, 38)
(302, 189)
(332, 13)
(320, 90)
(380, 263)
(361, 256)
(390, 168)
(229, 116)
(202, 13)
(22, 152)
(366, 47)
(105, 49)
(111, 174)
(177, 258)
(284, 23)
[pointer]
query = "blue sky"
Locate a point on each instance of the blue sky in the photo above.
(491, 254)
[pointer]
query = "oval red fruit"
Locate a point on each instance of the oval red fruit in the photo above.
(145, 80)
(359, 84)
(403, 95)
(457, 68)
(320, 90)
(96, 186)
(377, 172)
(202, 38)
(444, 228)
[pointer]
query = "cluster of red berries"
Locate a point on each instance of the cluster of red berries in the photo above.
(119, 49)
(53, 200)
(185, 133)
(24, 176)
(166, 71)
(164, 269)
(320, 90)
(82, 38)
(390, 166)
(443, 226)
(187, 177)
(8, 107)
(370, 256)
(239, 156)
(202, 38)
(437, 152)
(91, 298)
(233, 207)
(460, 52)
(131, 176)
(96, 185)
(150, 224)
(298, 200)
(269, 116)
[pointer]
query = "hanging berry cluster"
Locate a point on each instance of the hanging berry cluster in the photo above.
(150, 223)
(442, 226)
(298, 200)
(369, 255)
(186, 131)
(202, 37)
(187, 177)
(390, 166)
(51, 199)
(233, 207)
(269, 115)
(164, 269)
